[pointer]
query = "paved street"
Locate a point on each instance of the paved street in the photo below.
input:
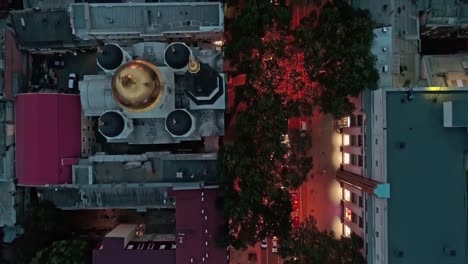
(320, 195)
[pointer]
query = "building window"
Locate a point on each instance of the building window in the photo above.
(361, 222)
(347, 195)
(345, 140)
(359, 120)
(354, 160)
(84, 139)
(345, 158)
(353, 198)
(360, 161)
(89, 139)
(376, 210)
(353, 121)
(353, 140)
(360, 201)
(348, 214)
(359, 137)
(353, 217)
(347, 231)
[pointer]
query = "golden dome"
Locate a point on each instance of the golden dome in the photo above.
(193, 66)
(138, 86)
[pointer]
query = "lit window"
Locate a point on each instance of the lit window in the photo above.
(348, 124)
(346, 158)
(347, 231)
(345, 140)
(347, 195)
(348, 214)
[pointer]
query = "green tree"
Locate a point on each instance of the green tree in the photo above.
(64, 252)
(307, 244)
(43, 223)
(342, 60)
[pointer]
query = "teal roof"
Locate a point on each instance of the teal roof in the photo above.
(426, 210)
(460, 113)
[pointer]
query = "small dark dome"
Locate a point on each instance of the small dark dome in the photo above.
(110, 57)
(177, 55)
(111, 124)
(178, 122)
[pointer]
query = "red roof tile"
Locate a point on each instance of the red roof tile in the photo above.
(48, 129)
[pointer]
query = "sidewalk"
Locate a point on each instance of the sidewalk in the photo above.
(321, 193)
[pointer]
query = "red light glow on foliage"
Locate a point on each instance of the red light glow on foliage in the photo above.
(283, 70)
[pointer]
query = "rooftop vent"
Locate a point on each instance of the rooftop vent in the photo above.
(399, 253)
(448, 251)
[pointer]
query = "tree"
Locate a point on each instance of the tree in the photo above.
(249, 26)
(64, 252)
(341, 61)
(309, 245)
(254, 203)
(43, 223)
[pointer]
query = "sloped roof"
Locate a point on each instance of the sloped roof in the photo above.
(48, 129)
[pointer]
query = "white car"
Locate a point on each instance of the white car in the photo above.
(274, 247)
(71, 80)
(264, 243)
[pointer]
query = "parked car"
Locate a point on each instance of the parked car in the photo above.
(264, 243)
(274, 247)
(72, 81)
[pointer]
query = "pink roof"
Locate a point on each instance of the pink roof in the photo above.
(48, 129)
(195, 234)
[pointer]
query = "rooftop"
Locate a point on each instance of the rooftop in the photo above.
(100, 196)
(427, 208)
(48, 130)
(446, 70)
(197, 224)
(29, 29)
(145, 19)
(152, 168)
(446, 12)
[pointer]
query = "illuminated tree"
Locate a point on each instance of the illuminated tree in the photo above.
(282, 70)
(307, 244)
(337, 54)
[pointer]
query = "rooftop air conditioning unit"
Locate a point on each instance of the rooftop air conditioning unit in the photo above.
(399, 253)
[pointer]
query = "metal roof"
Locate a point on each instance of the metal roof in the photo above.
(145, 19)
(48, 129)
(109, 196)
(29, 28)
